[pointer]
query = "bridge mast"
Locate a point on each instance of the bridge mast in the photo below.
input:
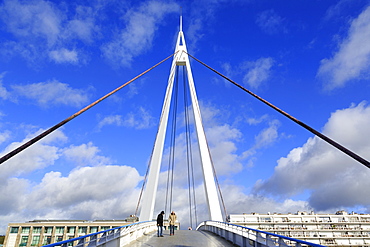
(181, 58)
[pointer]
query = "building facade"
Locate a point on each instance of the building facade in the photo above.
(339, 229)
(42, 232)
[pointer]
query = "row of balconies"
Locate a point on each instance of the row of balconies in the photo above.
(325, 236)
(316, 229)
(292, 219)
(304, 221)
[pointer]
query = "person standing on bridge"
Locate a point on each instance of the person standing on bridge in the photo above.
(172, 219)
(160, 224)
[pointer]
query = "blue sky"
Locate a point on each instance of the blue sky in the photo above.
(309, 58)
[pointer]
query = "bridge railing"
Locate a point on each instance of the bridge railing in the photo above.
(248, 237)
(118, 236)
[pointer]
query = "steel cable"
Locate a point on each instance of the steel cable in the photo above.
(55, 127)
(320, 135)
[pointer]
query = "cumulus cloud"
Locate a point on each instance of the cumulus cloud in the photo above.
(238, 202)
(257, 72)
(352, 60)
(85, 184)
(270, 22)
(97, 190)
(85, 154)
(138, 35)
(38, 156)
(53, 93)
(333, 179)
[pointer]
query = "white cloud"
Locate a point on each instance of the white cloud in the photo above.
(83, 26)
(138, 35)
(257, 72)
(238, 202)
(37, 156)
(63, 55)
(270, 22)
(83, 185)
(4, 94)
(110, 120)
(333, 179)
(264, 138)
(141, 119)
(4, 135)
(352, 60)
(53, 93)
(42, 29)
(85, 155)
(337, 9)
(32, 19)
(100, 192)
(10, 187)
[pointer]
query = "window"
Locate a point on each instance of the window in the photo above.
(47, 240)
(70, 243)
(82, 229)
(71, 229)
(48, 230)
(59, 230)
(103, 228)
(93, 229)
(24, 241)
(25, 230)
(265, 219)
(36, 230)
(59, 238)
(14, 230)
(35, 240)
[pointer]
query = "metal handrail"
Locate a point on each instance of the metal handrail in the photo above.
(278, 241)
(97, 237)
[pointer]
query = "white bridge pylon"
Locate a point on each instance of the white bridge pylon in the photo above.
(181, 58)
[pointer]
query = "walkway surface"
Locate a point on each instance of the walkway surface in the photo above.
(182, 238)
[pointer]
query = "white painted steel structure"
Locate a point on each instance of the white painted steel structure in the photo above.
(181, 58)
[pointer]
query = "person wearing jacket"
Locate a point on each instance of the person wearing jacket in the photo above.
(172, 219)
(160, 224)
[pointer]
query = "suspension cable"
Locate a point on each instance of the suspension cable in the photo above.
(315, 132)
(171, 159)
(218, 185)
(55, 127)
(191, 188)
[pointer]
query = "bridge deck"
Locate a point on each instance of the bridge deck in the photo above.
(183, 238)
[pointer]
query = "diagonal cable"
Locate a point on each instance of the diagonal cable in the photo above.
(55, 127)
(317, 133)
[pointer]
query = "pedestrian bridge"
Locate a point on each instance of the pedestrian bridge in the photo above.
(208, 233)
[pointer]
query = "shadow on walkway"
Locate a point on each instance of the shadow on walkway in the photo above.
(182, 238)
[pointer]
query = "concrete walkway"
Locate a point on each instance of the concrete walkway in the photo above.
(182, 238)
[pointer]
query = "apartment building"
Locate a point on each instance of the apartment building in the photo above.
(43, 232)
(339, 229)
